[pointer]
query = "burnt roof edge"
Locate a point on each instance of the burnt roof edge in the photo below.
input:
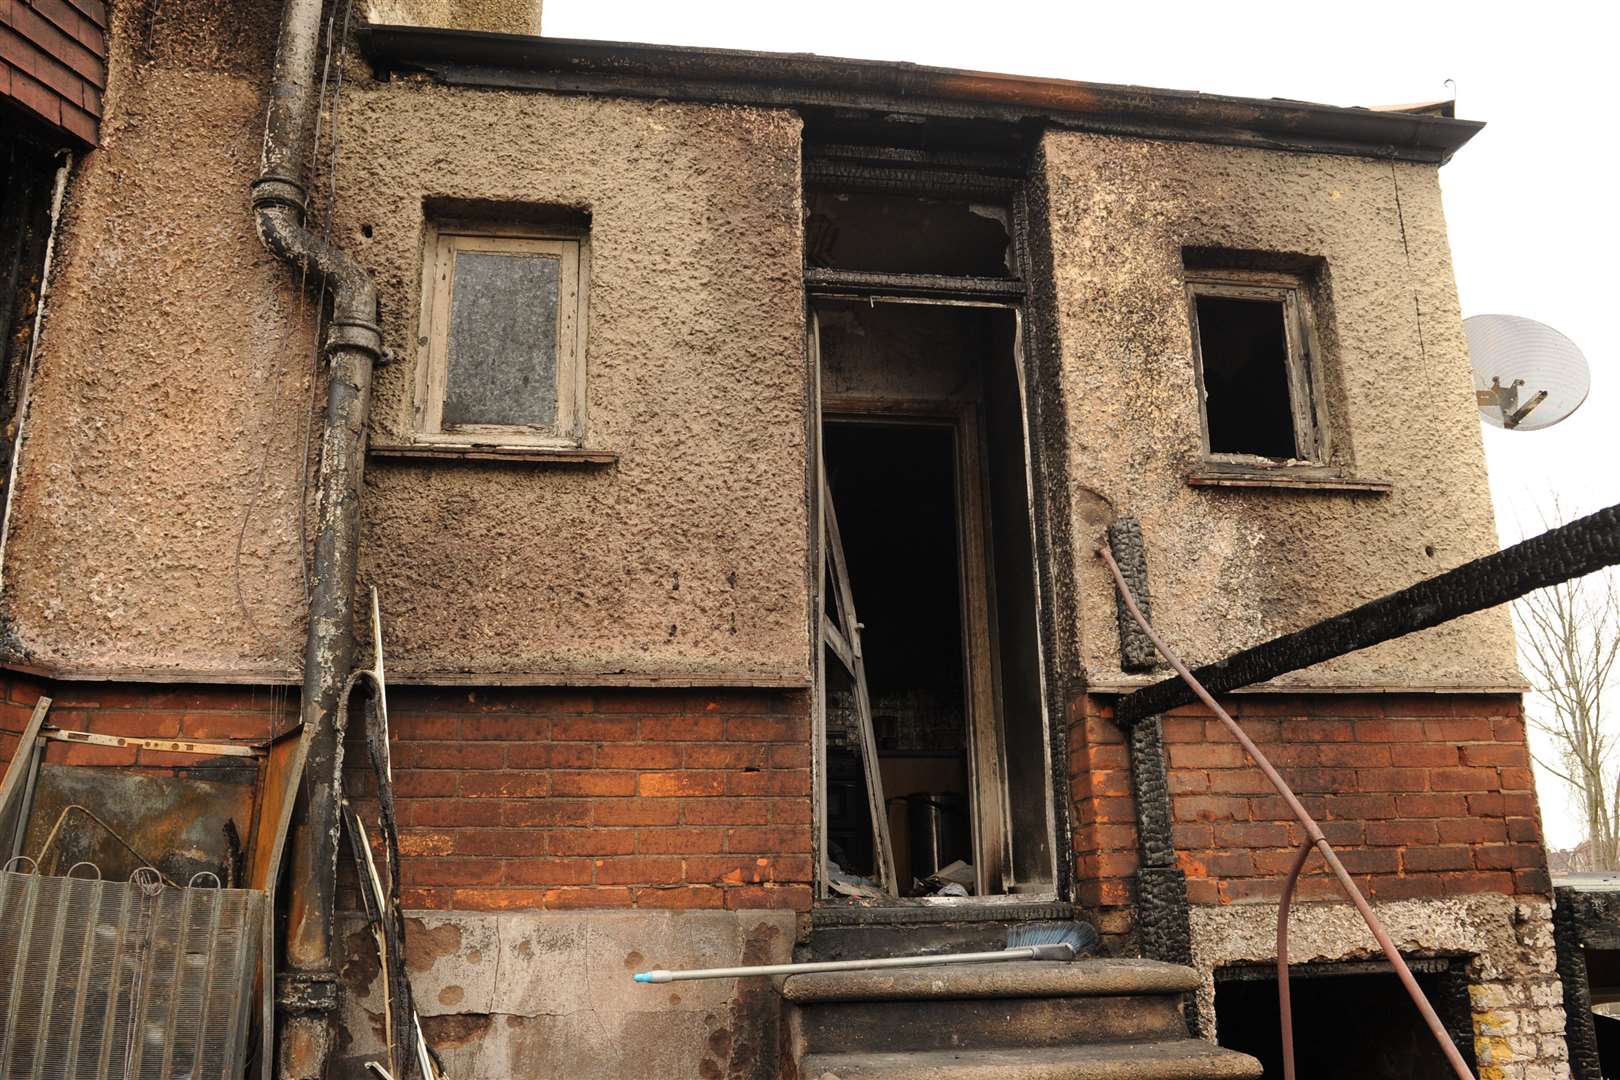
(805, 80)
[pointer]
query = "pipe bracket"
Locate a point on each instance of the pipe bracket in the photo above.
(356, 334)
(307, 993)
(278, 189)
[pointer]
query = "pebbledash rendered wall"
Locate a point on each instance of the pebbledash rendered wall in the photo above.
(1416, 762)
(1233, 567)
(155, 525)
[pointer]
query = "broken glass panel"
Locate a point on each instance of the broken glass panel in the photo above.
(502, 347)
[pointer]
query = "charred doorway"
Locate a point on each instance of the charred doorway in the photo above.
(931, 721)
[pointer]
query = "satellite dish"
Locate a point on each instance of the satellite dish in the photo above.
(1526, 374)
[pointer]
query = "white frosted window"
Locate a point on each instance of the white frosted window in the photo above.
(502, 349)
(502, 341)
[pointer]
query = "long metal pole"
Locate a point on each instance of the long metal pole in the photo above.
(1059, 952)
(1313, 831)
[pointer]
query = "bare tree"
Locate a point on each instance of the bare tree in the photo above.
(1569, 638)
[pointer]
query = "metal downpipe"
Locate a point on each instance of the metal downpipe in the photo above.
(308, 994)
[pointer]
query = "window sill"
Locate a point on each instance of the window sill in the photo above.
(539, 455)
(1314, 478)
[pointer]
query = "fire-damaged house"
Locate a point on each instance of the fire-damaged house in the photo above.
(740, 450)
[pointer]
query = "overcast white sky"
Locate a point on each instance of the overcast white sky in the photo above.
(1535, 226)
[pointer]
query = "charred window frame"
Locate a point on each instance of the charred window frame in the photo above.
(549, 415)
(1289, 297)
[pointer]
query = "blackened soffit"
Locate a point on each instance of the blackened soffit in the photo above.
(808, 82)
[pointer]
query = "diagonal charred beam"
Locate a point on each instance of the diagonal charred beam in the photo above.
(1569, 551)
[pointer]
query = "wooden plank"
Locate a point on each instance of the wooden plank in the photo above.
(987, 770)
(836, 642)
(882, 846)
(1282, 480)
(537, 455)
(94, 10)
(817, 572)
(16, 772)
(920, 286)
(282, 773)
(1568, 551)
(284, 767)
(212, 749)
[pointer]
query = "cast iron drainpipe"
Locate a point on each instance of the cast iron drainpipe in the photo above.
(353, 346)
(1314, 841)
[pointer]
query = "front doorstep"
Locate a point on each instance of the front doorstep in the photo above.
(847, 931)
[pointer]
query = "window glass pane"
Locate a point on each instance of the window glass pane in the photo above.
(502, 348)
(1245, 354)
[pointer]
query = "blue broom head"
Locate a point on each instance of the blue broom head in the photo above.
(1055, 940)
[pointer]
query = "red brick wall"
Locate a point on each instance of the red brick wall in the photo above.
(1104, 814)
(611, 798)
(144, 710)
(529, 798)
(18, 693)
(53, 62)
(1421, 795)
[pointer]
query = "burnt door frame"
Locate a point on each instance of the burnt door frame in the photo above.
(992, 816)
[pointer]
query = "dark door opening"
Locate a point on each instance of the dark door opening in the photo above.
(1351, 1021)
(894, 486)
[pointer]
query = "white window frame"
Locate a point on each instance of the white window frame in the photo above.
(433, 361)
(1303, 360)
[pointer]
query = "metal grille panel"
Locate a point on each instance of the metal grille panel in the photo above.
(101, 981)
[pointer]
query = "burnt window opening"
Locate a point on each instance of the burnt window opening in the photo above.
(1252, 345)
(1352, 1021)
(884, 232)
(502, 337)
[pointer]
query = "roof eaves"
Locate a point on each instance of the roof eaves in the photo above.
(800, 80)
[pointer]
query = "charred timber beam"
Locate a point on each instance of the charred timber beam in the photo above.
(353, 346)
(1569, 551)
(1580, 1029)
(923, 286)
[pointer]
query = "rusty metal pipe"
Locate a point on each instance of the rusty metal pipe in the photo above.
(1312, 831)
(1285, 1005)
(353, 346)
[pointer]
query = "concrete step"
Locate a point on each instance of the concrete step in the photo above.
(990, 1023)
(1013, 978)
(841, 933)
(1179, 1059)
(1018, 1004)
